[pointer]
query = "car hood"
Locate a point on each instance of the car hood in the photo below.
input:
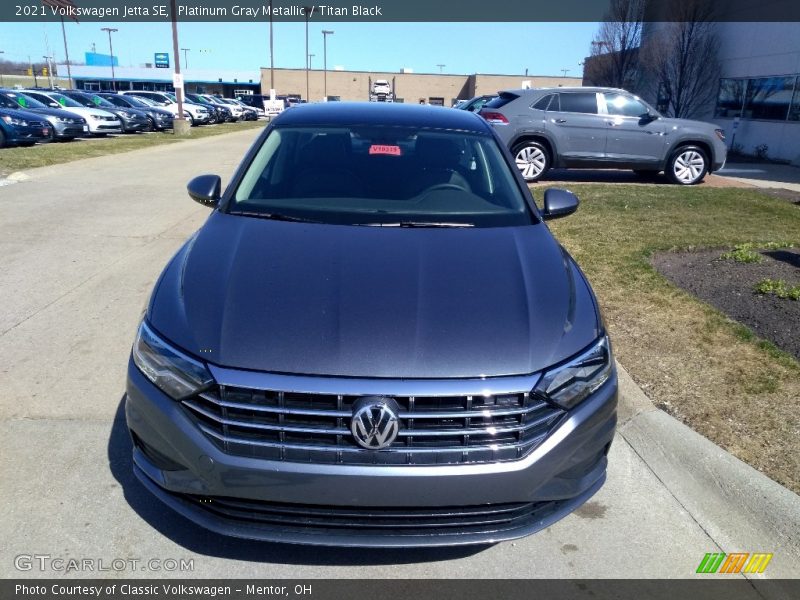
(85, 111)
(374, 302)
(49, 112)
(681, 124)
(25, 114)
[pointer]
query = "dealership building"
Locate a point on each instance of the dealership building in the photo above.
(758, 102)
(433, 88)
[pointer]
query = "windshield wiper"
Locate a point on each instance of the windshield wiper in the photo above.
(417, 224)
(272, 216)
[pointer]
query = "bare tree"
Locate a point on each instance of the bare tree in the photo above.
(683, 60)
(614, 59)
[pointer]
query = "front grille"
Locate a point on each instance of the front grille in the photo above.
(315, 427)
(390, 521)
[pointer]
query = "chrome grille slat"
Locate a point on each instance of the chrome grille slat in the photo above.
(489, 429)
(402, 414)
(459, 428)
(355, 449)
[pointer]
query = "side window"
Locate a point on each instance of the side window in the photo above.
(543, 102)
(578, 102)
(624, 106)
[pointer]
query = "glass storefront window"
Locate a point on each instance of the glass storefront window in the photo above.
(731, 98)
(794, 110)
(768, 98)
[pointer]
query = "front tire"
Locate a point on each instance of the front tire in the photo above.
(687, 166)
(533, 160)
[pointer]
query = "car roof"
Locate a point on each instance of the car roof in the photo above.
(388, 114)
(524, 91)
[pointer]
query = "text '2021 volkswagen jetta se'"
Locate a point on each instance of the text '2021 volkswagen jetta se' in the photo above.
(374, 340)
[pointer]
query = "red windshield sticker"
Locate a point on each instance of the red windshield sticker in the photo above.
(383, 149)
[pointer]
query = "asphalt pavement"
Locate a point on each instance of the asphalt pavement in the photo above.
(80, 247)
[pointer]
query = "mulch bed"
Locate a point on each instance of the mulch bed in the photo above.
(729, 286)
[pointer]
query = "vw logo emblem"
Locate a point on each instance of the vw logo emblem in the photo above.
(375, 422)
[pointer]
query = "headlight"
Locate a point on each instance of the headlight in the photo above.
(95, 117)
(13, 121)
(720, 134)
(178, 375)
(571, 382)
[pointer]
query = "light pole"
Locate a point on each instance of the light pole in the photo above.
(441, 67)
(49, 71)
(180, 126)
(307, 11)
(565, 71)
(66, 53)
(325, 34)
(111, 30)
(185, 57)
(271, 55)
(310, 56)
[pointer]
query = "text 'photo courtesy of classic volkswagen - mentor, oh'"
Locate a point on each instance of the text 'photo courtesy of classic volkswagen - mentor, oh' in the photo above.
(374, 340)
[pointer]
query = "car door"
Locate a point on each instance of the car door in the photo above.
(635, 133)
(574, 120)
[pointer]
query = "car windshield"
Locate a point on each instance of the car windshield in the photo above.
(158, 100)
(22, 101)
(389, 176)
(99, 101)
(83, 100)
(141, 101)
(64, 100)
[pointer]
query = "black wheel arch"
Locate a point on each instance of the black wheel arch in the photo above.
(690, 141)
(536, 136)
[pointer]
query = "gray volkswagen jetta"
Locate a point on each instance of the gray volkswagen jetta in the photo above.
(374, 340)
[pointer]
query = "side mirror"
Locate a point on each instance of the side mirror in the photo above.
(648, 117)
(205, 189)
(559, 203)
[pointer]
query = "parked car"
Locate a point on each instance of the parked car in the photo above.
(159, 118)
(100, 122)
(22, 128)
(63, 124)
(133, 120)
(257, 111)
(237, 112)
(475, 104)
(270, 107)
(394, 351)
(231, 114)
(194, 113)
(602, 128)
(201, 115)
(220, 114)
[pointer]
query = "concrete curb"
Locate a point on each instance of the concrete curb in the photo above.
(741, 509)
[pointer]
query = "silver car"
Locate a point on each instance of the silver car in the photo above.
(601, 128)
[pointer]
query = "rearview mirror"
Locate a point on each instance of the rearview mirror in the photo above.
(205, 189)
(559, 203)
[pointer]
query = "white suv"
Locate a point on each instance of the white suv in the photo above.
(196, 114)
(381, 86)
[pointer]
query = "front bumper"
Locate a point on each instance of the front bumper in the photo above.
(136, 124)
(365, 505)
(67, 130)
